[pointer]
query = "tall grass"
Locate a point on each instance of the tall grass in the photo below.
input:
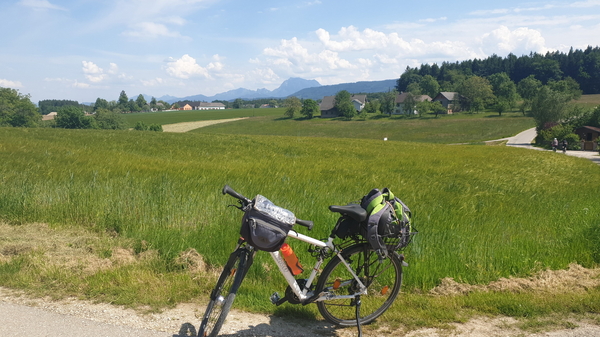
(483, 212)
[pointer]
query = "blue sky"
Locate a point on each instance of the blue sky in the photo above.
(85, 49)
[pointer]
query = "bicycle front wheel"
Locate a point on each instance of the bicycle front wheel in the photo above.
(383, 282)
(223, 295)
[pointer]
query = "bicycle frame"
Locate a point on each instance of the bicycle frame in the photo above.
(304, 294)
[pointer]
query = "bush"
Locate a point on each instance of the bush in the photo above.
(107, 119)
(155, 127)
(140, 126)
(559, 132)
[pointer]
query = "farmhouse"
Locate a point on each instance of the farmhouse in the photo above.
(589, 137)
(328, 109)
(202, 106)
(401, 99)
(448, 100)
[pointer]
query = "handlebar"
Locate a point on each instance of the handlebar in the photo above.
(245, 201)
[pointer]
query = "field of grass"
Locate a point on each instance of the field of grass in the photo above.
(589, 101)
(482, 212)
(171, 117)
(460, 128)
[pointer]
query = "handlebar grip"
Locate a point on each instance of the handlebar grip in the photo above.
(306, 223)
(233, 193)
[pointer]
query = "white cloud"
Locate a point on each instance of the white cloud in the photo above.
(152, 82)
(92, 72)
(150, 30)
(40, 5)
(10, 84)
(113, 69)
(186, 67)
(519, 41)
(80, 85)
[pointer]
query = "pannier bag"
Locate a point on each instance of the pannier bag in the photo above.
(388, 223)
(265, 225)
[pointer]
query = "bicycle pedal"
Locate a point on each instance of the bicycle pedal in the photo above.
(275, 298)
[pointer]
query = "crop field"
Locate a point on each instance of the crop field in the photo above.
(483, 212)
(460, 128)
(171, 117)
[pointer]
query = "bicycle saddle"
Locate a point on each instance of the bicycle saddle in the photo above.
(352, 210)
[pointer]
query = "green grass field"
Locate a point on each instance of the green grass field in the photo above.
(483, 212)
(589, 101)
(460, 128)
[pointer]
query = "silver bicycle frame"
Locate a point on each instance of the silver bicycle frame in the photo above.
(305, 294)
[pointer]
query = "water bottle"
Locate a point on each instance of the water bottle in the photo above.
(291, 259)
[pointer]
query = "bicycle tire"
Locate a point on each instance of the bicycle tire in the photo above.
(223, 295)
(383, 283)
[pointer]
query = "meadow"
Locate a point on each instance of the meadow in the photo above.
(446, 129)
(483, 212)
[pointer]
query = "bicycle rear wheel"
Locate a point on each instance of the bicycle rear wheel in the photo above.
(223, 295)
(383, 282)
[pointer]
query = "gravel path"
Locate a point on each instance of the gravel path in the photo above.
(187, 126)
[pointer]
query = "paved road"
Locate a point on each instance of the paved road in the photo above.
(525, 138)
(22, 321)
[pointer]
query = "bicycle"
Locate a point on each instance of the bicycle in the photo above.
(355, 287)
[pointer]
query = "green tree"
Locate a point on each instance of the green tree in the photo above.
(475, 94)
(504, 89)
(141, 101)
(409, 105)
(238, 103)
(372, 107)
(123, 100)
(501, 106)
(107, 119)
(567, 86)
(292, 106)
(388, 102)
(273, 103)
(344, 105)
(17, 109)
(309, 108)
(527, 89)
(100, 104)
(153, 102)
(549, 106)
(423, 108)
(437, 108)
(72, 117)
(429, 86)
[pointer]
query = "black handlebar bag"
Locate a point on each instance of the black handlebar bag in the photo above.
(265, 226)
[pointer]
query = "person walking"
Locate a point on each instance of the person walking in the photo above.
(564, 145)
(554, 144)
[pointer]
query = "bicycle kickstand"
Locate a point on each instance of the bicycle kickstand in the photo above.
(358, 302)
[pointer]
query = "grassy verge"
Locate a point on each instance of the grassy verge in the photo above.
(463, 128)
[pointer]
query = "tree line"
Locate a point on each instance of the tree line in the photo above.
(583, 66)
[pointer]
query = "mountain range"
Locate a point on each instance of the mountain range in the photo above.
(294, 86)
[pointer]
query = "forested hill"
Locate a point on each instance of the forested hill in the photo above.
(581, 65)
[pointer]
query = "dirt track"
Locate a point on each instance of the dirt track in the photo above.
(187, 126)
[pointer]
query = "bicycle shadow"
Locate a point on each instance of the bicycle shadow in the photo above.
(277, 327)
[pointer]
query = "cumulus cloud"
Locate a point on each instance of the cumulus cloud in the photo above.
(186, 67)
(10, 84)
(152, 82)
(519, 41)
(92, 72)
